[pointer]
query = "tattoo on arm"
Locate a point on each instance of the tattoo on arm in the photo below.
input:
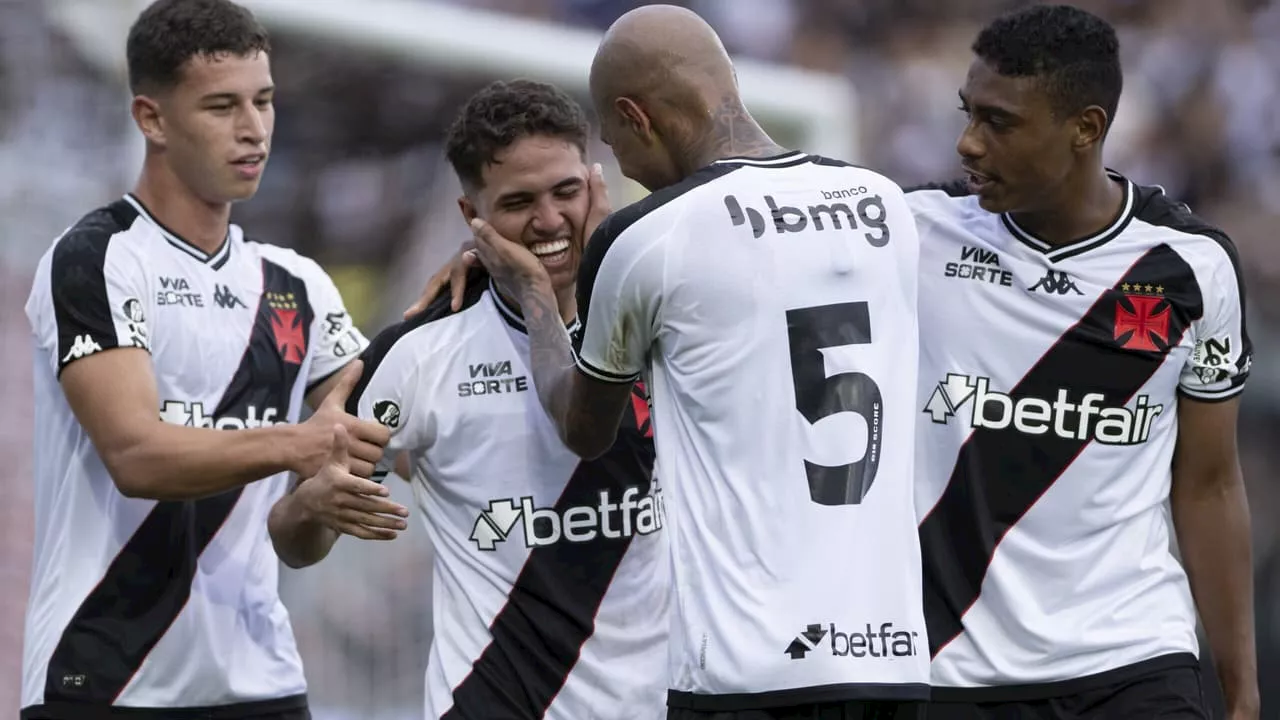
(586, 412)
(550, 353)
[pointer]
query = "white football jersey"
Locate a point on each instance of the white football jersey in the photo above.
(551, 579)
(771, 304)
(146, 604)
(1049, 385)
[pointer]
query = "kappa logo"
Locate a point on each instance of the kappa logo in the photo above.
(224, 298)
(633, 514)
(82, 346)
(387, 413)
(1085, 419)
(1056, 282)
(1142, 318)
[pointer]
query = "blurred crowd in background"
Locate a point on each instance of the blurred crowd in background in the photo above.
(357, 180)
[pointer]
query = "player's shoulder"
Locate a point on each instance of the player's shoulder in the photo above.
(655, 204)
(417, 339)
(287, 258)
(1181, 228)
(87, 242)
(948, 198)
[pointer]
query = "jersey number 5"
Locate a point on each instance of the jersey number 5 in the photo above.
(810, 330)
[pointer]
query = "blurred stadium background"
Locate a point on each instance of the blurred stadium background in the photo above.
(358, 181)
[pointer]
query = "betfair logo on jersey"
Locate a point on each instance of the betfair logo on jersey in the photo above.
(1086, 419)
(492, 379)
(886, 642)
(632, 515)
(177, 412)
(979, 265)
(177, 291)
(869, 212)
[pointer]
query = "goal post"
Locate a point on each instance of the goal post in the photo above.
(808, 110)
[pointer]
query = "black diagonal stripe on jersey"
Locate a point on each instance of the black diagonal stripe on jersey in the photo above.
(149, 581)
(1000, 474)
(550, 612)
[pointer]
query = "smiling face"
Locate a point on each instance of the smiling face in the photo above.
(535, 193)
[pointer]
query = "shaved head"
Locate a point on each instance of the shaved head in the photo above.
(661, 50)
(667, 96)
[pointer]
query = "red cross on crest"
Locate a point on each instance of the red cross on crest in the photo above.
(1139, 323)
(640, 406)
(286, 328)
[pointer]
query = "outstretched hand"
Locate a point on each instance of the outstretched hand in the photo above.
(348, 504)
(512, 265)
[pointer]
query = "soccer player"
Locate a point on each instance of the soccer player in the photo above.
(1083, 351)
(770, 298)
(550, 577)
(157, 326)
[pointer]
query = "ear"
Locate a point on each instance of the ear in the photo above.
(635, 117)
(1091, 127)
(468, 209)
(147, 116)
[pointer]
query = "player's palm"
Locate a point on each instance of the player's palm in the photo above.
(337, 499)
(511, 264)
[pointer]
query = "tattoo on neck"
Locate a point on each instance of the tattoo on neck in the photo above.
(731, 132)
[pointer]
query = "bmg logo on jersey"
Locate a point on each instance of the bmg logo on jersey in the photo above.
(634, 514)
(1085, 419)
(884, 641)
(869, 211)
(177, 412)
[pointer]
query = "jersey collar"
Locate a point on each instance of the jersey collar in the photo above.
(1084, 244)
(787, 159)
(512, 315)
(215, 261)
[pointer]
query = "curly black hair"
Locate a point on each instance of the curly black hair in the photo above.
(170, 32)
(504, 112)
(1075, 54)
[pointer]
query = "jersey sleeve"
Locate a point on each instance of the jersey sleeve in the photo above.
(1219, 362)
(619, 299)
(393, 391)
(98, 293)
(337, 341)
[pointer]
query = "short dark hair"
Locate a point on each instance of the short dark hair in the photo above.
(170, 32)
(1074, 53)
(502, 113)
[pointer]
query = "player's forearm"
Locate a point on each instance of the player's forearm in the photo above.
(550, 356)
(170, 462)
(1212, 523)
(299, 540)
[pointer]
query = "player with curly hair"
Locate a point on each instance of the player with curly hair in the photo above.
(550, 582)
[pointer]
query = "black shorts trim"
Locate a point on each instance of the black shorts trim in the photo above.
(1064, 688)
(736, 702)
(287, 708)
